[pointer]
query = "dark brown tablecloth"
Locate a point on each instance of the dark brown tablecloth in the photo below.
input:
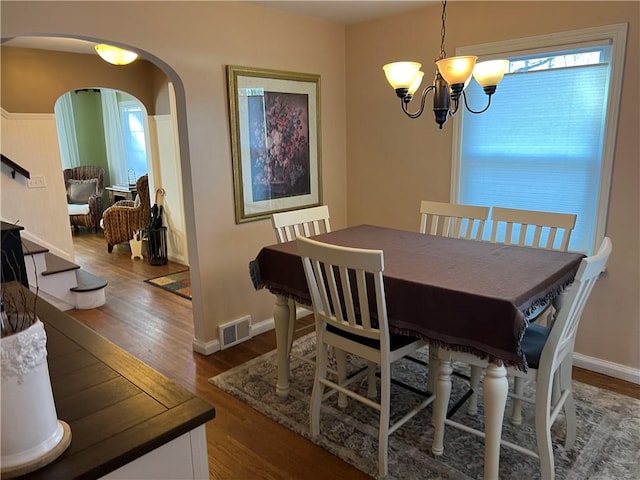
(466, 295)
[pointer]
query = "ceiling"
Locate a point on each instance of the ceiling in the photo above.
(53, 43)
(345, 12)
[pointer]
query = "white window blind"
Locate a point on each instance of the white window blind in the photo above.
(539, 146)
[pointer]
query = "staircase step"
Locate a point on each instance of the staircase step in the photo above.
(72, 288)
(57, 264)
(32, 248)
(88, 282)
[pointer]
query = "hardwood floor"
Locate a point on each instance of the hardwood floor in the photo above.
(157, 327)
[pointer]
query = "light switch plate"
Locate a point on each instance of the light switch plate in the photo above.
(37, 181)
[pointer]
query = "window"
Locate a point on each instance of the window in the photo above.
(546, 143)
(125, 133)
(132, 118)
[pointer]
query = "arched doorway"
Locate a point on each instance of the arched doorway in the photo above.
(163, 102)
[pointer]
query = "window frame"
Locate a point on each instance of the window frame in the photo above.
(616, 34)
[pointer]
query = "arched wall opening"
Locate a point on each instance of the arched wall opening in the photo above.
(168, 100)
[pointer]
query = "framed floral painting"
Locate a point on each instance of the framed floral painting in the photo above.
(275, 141)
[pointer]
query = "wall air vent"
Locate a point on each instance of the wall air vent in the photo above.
(235, 332)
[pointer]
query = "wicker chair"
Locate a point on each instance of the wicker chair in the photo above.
(122, 219)
(95, 202)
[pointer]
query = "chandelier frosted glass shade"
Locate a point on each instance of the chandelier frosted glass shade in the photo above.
(401, 74)
(490, 72)
(115, 55)
(417, 80)
(456, 69)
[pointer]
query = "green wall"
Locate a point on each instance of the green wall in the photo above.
(87, 115)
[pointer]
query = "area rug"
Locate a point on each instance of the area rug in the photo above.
(178, 283)
(607, 445)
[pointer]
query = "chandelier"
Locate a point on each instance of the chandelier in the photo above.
(452, 76)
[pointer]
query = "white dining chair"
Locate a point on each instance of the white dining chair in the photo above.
(303, 222)
(453, 220)
(531, 228)
(527, 228)
(457, 221)
(549, 355)
(288, 226)
(345, 285)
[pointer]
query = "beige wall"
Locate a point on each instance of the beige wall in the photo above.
(32, 80)
(30, 139)
(391, 162)
(394, 162)
(192, 42)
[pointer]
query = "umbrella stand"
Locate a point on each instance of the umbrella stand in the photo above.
(157, 233)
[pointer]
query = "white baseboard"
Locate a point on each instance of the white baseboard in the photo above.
(269, 323)
(263, 326)
(605, 367)
(593, 364)
(207, 348)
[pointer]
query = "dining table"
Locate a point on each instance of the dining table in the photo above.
(462, 295)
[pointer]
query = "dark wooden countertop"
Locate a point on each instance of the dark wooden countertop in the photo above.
(118, 408)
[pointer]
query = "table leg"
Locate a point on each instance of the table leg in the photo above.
(441, 402)
(495, 388)
(281, 317)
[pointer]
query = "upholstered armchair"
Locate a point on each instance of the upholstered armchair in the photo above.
(125, 217)
(85, 188)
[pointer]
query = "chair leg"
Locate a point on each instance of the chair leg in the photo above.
(318, 388)
(383, 434)
(341, 364)
(292, 323)
(555, 392)
(109, 248)
(569, 405)
(371, 380)
(433, 368)
(474, 379)
(543, 430)
(516, 409)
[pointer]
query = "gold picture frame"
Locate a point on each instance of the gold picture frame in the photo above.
(275, 141)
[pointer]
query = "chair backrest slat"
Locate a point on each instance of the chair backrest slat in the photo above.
(452, 220)
(304, 222)
(355, 268)
(548, 230)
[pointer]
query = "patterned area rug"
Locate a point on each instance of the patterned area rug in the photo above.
(607, 445)
(178, 283)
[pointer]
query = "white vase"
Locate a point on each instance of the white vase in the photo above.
(32, 435)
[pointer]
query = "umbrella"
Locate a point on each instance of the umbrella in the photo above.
(157, 250)
(156, 210)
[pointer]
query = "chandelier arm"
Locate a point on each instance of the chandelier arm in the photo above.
(473, 111)
(422, 103)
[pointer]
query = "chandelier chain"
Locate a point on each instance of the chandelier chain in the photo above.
(443, 54)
